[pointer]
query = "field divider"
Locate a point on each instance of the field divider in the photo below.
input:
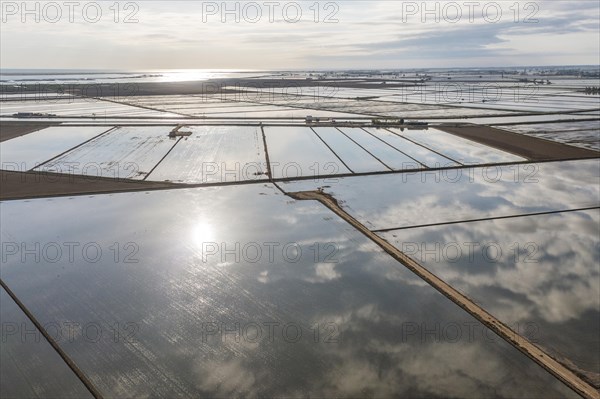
(521, 343)
(64, 356)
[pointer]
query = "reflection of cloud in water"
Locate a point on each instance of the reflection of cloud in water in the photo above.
(559, 186)
(558, 291)
(371, 359)
(375, 361)
(226, 378)
(325, 272)
(558, 286)
(424, 371)
(172, 292)
(432, 197)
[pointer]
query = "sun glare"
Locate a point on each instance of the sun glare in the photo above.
(202, 233)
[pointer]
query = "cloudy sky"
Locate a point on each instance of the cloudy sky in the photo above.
(147, 35)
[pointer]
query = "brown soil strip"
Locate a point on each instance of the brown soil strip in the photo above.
(505, 332)
(532, 148)
(10, 130)
(264, 138)
(545, 122)
(70, 363)
(25, 185)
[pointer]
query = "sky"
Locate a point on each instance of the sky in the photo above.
(289, 35)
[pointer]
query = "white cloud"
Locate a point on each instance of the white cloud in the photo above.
(368, 34)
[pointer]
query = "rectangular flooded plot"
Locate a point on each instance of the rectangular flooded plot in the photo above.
(583, 134)
(533, 272)
(75, 107)
(215, 154)
(391, 157)
(124, 153)
(456, 148)
(198, 298)
(297, 151)
(31, 368)
(420, 153)
(355, 157)
(444, 196)
(27, 152)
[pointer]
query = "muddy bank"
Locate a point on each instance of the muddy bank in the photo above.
(532, 148)
(22, 185)
(11, 129)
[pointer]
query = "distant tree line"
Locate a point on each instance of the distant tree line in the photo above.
(592, 90)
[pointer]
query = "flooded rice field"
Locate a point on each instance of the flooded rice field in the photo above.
(348, 237)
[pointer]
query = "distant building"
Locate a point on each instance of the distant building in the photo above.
(33, 115)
